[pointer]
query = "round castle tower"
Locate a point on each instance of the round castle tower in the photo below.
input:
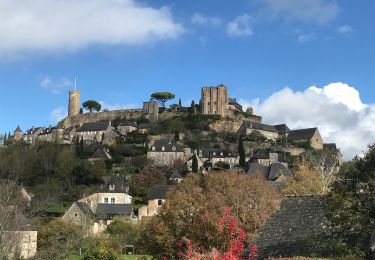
(74, 102)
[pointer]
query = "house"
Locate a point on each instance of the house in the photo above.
(144, 128)
(270, 173)
(127, 127)
(332, 149)
(189, 163)
(17, 134)
(50, 134)
(176, 177)
(96, 131)
(212, 156)
(309, 136)
(167, 152)
(23, 241)
(294, 229)
(156, 198)
(283, 130)
(31, 135)
(268, 131)
(96, 211)
(69, 135)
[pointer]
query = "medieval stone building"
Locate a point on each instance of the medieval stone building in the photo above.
(74, 102)
(214, 100)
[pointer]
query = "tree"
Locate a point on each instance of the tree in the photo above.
(194, 207)
(91, 105)
(81, 111)
(179, 102)
(351, 204)
(241, 151)
(194, 164)
(162, 97)
(122, 233)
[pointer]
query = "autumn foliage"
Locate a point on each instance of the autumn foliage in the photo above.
(194, 208)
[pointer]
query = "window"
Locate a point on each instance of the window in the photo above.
(111, 187)
(153, 148)
(75, 214)
(160, 202)
(105, 200)
(173, 148)
(113, 200)
(163, 148)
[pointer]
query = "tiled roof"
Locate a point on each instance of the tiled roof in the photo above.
(145, 126)
(270, 173)
(85, 208)
(158, 192)
(108, 209)
(96, 126)
(301, 134)
(291, 230)
(128, 123)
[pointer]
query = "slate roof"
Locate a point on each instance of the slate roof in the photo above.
(294, 228)
(145, 126)
(176, 175)
(270, 173)
(301, 134)
(18, 129)
(95, 126)
(85, 208)
(259, 126)
(128, 123)
(108, 209)
(330, 146)
(216, 153)
(261, 154)
(118, 184)
(158, 192)
(169, 146)
(282, 129)
(32, 130)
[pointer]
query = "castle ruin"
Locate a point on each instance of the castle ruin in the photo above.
(74, 102)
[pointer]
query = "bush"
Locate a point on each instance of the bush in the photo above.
(101, 253)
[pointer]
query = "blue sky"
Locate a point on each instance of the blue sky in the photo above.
(123, 50)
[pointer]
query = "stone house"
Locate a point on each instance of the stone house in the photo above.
(96, 211)
(295, 229)
(17, 134)
(50, 134)
(283, 130)
(211, 156)
(189, 164)
(69, 135)
(144, 128)
(31, 135)
(25, 243)
(156, 199)
(271, 172)
(309, 136)
(127, 127)
(266, 158)
(268, 131)
(176, 177)
(94, 131)
(167, 152)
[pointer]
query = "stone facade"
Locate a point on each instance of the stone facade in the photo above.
(106, 197)
(74, 102)
(166, 152)
(214, 100)
(25, 243)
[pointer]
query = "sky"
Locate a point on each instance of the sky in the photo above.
(306, 63)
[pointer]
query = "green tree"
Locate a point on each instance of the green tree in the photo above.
(194, 164)
(162, 97)
(81, 111)
(241, 151)
(101, 253)
(91, 105)
(179, 102)
(352, 204)
(122, 233)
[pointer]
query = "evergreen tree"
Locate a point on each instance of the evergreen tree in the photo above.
(192, 104)
(241, 151)
(179, 102)
(5, 139)
(81, 147)
(194, 165)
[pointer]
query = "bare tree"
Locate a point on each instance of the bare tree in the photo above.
(12, 218)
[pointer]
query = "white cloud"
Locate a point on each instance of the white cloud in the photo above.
(312, 11)
(240, 26)
(306, 38)
(345, 29)
(50, 25)
(58, 114)
(200, 19)
(117, 106)
(336, 109)
(55, 85)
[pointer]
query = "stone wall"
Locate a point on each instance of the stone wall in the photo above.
(74, 102)
(214, 100)
(80, 119)
(94, 199)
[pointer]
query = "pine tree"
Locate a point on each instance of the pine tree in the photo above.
(194, 165)
(180, 103)
(81, 147)
(241, 151)
(5, 139)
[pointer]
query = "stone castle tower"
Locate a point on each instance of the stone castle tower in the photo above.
(214, 100)
(74, 102)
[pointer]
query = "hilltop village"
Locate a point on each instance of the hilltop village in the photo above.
(213, 135)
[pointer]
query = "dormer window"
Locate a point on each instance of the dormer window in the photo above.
(173, 148)
(153, 148)
(163, 148)
(111, 187)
